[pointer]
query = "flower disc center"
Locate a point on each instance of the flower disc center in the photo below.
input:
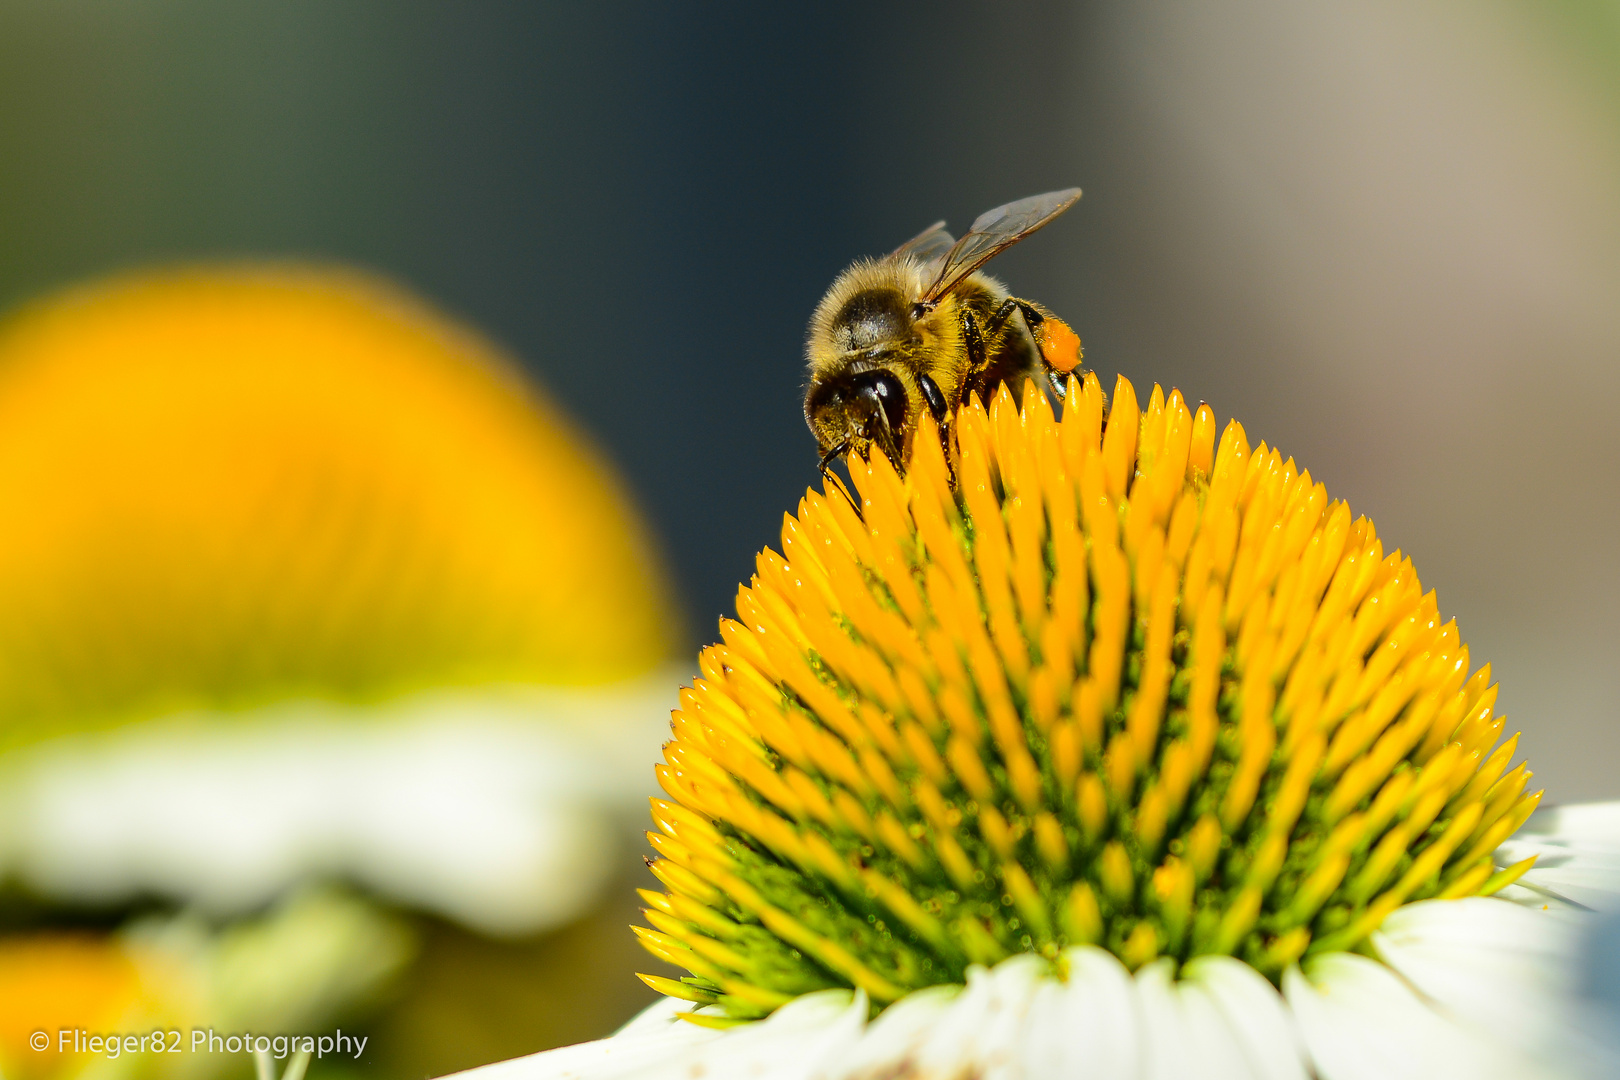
(1115, 685)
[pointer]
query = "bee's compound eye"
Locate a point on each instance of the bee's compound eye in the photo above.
(890, 393)
(822, 396)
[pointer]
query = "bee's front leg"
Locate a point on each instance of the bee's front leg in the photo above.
(933, 397)
(942, 413)
(978, 361)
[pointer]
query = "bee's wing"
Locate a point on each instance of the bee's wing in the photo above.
(928, 246)
(994, 232)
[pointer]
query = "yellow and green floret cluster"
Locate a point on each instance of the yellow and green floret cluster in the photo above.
(1114, 685)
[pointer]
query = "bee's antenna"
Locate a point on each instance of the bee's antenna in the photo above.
(826, 471)
(826, 459)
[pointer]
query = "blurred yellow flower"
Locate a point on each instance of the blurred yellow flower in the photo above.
(300, 580)
(59, 981)
(227, 486)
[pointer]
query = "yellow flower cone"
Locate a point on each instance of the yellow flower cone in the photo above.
(1123, 687)
(1110, 747)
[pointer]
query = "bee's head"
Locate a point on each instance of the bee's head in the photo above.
(859, 409)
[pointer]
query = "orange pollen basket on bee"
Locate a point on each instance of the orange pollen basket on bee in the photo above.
(1059, 344)
(1119, 685)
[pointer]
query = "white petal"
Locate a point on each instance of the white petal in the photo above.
(1578, 854)
(1087, 1028)
(661, 1014)
(792, 1044)
(795, 1041)
(1183, 1032)
(1361, 1022)
(1593, 825)
(979, 1035)
(887, 1046)
(1501, 966)
(1255, 1012)
(1541, 897)
(653, 1036)
(1508, 970)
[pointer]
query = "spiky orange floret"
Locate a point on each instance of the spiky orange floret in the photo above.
(1115, 686)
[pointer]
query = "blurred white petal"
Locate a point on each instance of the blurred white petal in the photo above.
(1359, 1021)
(1510, 971)
(1577, 851)
(1185, 1034)
(1088, 1027)
(1500, 966)
(1255, 1013)
(502, 810)
(890, 1041)
(981, 1030)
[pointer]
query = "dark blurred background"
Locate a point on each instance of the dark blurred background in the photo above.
(1385, 236)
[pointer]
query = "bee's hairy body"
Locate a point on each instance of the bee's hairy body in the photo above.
(868, 322)
(923, 328)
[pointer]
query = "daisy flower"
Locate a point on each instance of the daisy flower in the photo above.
(1108, 749)
(299, 579)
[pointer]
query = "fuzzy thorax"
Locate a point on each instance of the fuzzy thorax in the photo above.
(1120, 686)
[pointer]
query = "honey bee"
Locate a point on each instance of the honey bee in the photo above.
(923, 328)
